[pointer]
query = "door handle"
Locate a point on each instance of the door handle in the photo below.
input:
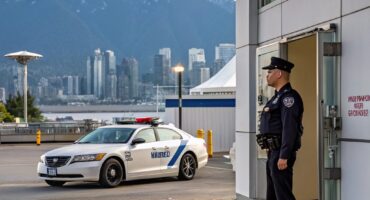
(154, 148)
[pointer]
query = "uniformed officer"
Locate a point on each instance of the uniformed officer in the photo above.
(281, 129)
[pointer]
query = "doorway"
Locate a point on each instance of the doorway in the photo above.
(316, 77)
(302, 53)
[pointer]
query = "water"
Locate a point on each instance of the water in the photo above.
(105, 116)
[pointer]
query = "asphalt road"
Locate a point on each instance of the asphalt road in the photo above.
(18, 180)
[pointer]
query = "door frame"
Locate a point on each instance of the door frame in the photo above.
(322, 108)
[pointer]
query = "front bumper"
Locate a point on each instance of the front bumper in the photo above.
(79, 171)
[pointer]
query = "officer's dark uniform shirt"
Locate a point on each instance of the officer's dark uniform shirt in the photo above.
(282, 115)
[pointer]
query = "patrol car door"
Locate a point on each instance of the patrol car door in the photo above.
(140, 160)
(171, 148)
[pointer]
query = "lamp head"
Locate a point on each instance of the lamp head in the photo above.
(178, 68)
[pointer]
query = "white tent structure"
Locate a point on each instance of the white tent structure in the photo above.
(223, 82)
(210, 106)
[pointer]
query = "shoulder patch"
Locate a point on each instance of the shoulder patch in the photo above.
(288, 101)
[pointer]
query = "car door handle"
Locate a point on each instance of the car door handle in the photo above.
(154, 148)
(166, 147)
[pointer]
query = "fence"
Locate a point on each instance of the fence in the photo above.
(50, 131)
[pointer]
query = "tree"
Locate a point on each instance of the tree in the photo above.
(14, 106)
(5, 116)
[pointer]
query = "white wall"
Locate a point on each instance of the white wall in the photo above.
(295, 15)
(221, 120)
(355, 81)
(290, 18)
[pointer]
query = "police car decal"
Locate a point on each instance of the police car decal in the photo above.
(288, 101)
(178, 153)
(128, 156)
(162, 154)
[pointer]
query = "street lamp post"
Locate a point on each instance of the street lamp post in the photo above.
(179, 69)
(22, 57)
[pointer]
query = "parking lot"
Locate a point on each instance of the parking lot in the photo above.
(18, 180)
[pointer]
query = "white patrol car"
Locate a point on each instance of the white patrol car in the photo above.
(114, 153)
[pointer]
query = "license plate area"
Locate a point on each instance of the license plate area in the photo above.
(52, 171)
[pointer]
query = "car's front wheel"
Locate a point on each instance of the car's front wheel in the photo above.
(111, 173)
(187, 167)
(55, 183)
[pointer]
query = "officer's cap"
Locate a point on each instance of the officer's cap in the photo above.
(278, 63)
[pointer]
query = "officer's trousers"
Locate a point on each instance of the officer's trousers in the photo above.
(279, 182)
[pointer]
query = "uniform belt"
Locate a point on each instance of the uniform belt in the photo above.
(271, 142)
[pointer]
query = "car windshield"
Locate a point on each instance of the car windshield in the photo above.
(107, 136)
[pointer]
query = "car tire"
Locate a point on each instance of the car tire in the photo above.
(187, 167)
(111, 173)
(55, 183)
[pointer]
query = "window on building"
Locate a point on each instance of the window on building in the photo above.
(264, 2)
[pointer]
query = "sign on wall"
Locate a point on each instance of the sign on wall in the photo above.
(358, 106)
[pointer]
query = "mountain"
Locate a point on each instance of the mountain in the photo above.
(65, 32)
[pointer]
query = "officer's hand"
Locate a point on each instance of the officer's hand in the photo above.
(282, 164)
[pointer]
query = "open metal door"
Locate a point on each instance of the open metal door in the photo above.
(328, 52)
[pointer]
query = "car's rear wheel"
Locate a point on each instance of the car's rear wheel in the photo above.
(111, 173)
(55, 183)
(187, 167)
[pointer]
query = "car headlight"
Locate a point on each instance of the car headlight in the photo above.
(42, 159)
(88, 157)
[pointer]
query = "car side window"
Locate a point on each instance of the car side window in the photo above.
(165, 134)
(147, 134)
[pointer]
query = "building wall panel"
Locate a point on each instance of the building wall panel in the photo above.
(355, 171)
(349, 6)
(301, 14)
(355, 93)
(269, 25)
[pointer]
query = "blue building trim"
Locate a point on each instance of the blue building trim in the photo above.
(174, 103)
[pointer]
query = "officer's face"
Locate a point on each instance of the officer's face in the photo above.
(273, 76)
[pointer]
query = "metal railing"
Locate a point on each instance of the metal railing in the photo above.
(51, 131)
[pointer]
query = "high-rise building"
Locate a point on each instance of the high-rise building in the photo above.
(204, 74)
(2, 95)
(76, 85)
(196, 55)
(42, 87)
(196, 73)
(67, 85)
(90, 75)
(133, 78)
(168, 77)
(225, 51)
(128, 79)
(159, 69)
(111, 75)
(217, 65)
(197, 60)
(98, 74)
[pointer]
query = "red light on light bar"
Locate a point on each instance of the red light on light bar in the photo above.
(144, 120)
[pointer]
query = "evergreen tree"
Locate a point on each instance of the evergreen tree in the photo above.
(14, 106)
(5, 116)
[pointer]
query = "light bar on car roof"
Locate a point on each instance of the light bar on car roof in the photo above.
(154, 121)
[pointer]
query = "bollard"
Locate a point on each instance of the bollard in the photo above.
(38, 137)
(209, 143)
(200, 133)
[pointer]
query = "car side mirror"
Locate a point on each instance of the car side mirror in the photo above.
(137, 141)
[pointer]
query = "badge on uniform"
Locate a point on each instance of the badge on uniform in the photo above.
(288, 101)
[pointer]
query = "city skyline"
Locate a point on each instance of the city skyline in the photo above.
(109, 80)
